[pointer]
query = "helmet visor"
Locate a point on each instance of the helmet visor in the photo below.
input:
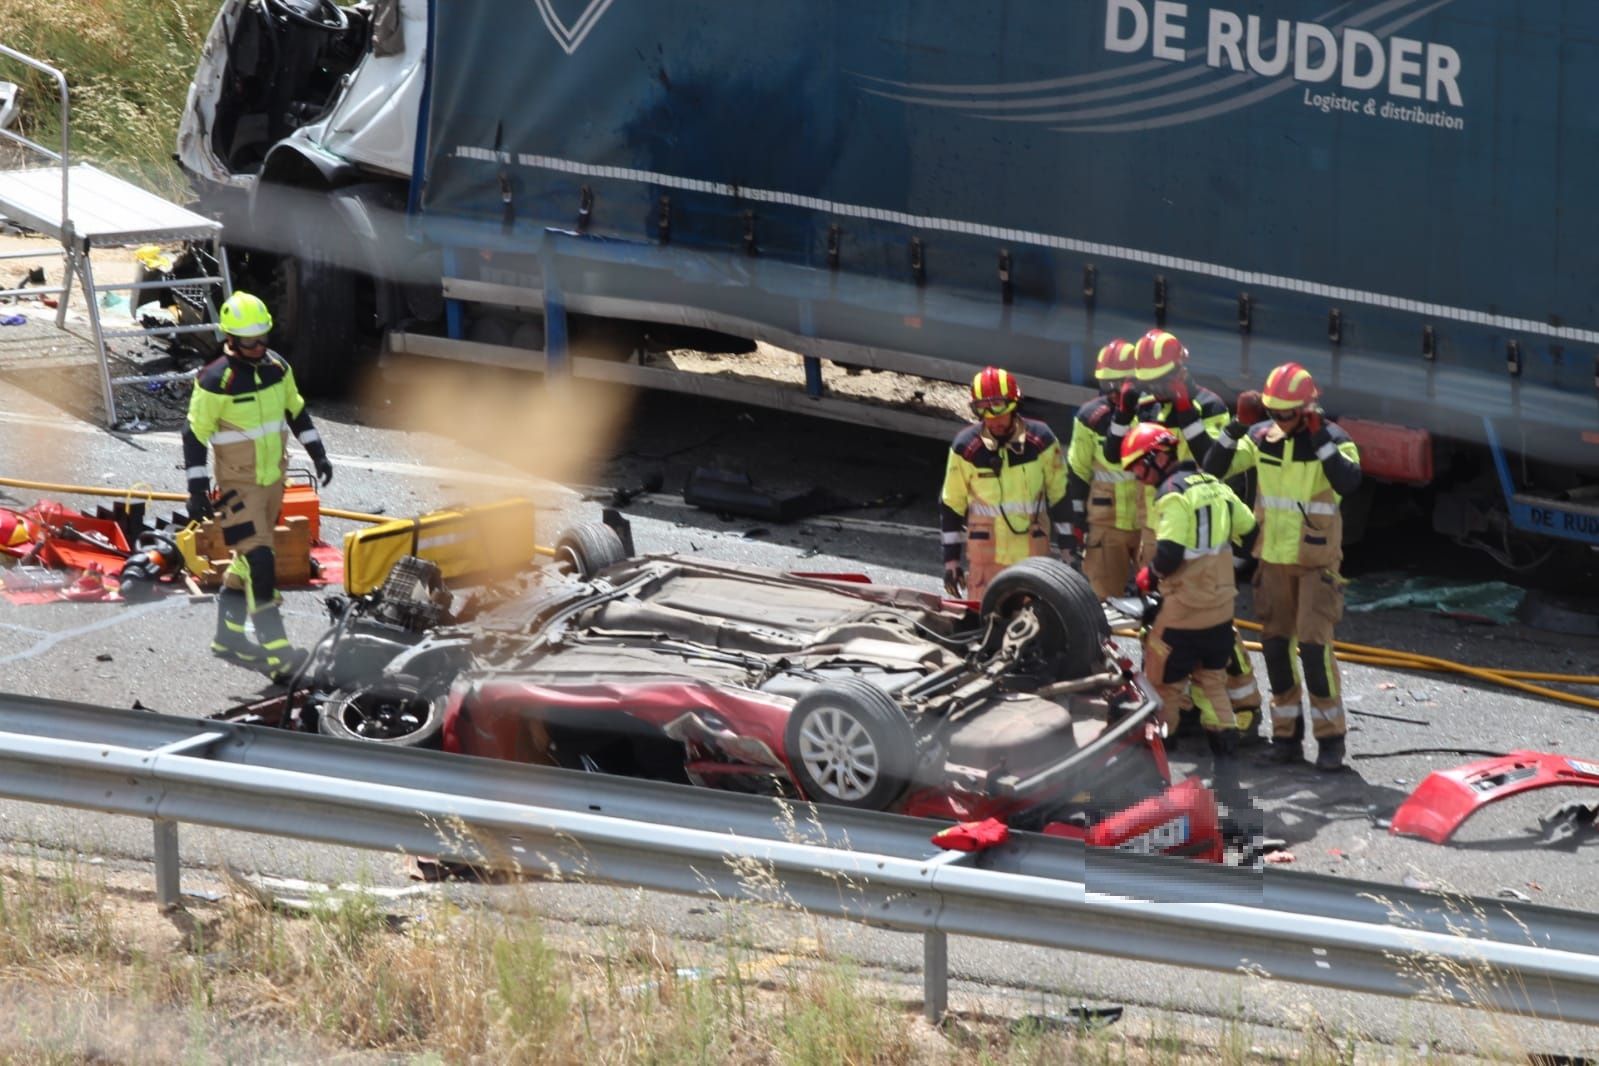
(993, 408)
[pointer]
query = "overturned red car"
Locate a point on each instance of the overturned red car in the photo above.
(824, 688)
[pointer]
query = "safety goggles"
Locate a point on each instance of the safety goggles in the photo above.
(1142, 465)
(249, 342)
(1278, 414)
(993, 408)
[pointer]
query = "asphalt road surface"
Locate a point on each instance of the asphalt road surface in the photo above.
(155, 656)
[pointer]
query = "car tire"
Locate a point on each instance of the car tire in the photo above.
(846, 712)
(1075, 627)
(414, 719)
(589, 548)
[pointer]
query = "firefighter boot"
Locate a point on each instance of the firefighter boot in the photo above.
(1223, 745)
(230, 641)
(1285, 751)
(1330, 754)
(281, 659)
(1240, 818)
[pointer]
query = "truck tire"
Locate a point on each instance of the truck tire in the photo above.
(849, 744)
(1075, 627)
(395, 716)
(589, 548)
(314, 305)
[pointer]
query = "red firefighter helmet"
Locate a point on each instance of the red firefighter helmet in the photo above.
(995, 392)
(1159, 353)
(1146, 439)
(1288, 387)
(1117, 361)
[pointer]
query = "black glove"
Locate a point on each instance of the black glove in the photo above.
(200, 505)
(1127, 401)
(1235, 429)
(954, 580)
(324, 469)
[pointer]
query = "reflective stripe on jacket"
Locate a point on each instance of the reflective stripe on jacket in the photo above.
(243, 409)
(1019, 483)
(1302, 479)
(1197, 520)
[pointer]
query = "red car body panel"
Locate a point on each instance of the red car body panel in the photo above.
(1446, 798)
(491, 718)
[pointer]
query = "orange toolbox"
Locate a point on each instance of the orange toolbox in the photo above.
(300, 500)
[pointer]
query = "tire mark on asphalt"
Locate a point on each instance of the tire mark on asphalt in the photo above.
(105, 623)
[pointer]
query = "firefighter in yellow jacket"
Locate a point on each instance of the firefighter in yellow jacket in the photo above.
(1162, 390)
(243, 408)
(1305, 466)
(1197, 520)
(1107, 503)
(1004, 496)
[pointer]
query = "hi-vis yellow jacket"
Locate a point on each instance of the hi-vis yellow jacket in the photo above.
(1302, 478)
(244, 410)
(1101, 492)
(1006, 493)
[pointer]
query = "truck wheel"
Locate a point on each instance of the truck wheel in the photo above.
(1074, 625)
(395, 715)
(589, 548)
(314, 305)
(849, 744)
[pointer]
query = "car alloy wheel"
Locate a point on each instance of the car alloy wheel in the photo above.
(839, 754)
(850, 744)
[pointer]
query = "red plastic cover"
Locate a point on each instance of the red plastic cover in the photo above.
(1443, 802)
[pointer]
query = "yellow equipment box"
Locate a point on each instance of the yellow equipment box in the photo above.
(494, 539)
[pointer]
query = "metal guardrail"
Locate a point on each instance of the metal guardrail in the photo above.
(874, 868)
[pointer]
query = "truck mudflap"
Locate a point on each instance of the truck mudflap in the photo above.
(1446, 798)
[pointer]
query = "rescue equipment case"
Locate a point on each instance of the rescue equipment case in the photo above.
(495, 538)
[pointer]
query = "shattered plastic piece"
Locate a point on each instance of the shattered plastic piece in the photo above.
(1280, 858)
(1446, 798)
(1082, 1018)
(13, 320)
(973, 836)
(1481, 601)
(1513, 893)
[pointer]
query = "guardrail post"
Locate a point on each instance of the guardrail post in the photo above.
(935, 975)
(168, 891)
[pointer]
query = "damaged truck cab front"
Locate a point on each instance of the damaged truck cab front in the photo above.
(299, 134)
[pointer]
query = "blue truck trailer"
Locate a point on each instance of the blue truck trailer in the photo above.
(1395, 193)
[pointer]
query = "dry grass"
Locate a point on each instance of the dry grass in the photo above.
(93, 974)
(127, 64)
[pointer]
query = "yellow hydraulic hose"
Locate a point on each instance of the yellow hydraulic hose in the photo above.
(178, 497)
(1366, 655)
(1404, 660)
